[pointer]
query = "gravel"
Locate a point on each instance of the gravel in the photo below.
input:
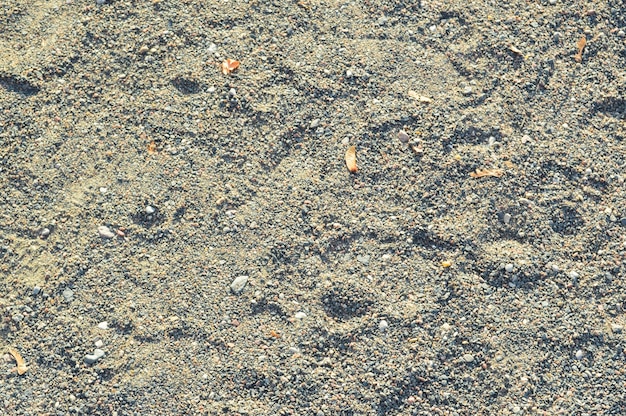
(245, 176)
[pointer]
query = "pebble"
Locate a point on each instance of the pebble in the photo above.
(364, 259)
(383, 325)
(580, 354)
(238, 284)
(573, 275)
(211, 89)
(508, 268)
(294, 350)
(403, 136)
(68, 295)
(300, 315)
(314, 124)
(506, 218)
(44, 232)
(99, 343)
(468, 90)
(150, 210)
(36, 290)
(103, 325)
(468, 358)
(105, 232)
(92, 358)
(617, 328)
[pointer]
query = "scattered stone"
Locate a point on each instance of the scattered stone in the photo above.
(238, 284)
(506, 218)
(68, 295)
(468, 358)
(580, 354)
(468, 90)
(616, 328)
(45, 232)
(105, 232)
(383, 325)
(103, 325)
(294, 350)
(300, 315)
(403, 136)
(99, 343)
(314, 124)
(150, 210)
(364, 259)
(573, 275)
(36, 290)
(509, 268)
(92, 358)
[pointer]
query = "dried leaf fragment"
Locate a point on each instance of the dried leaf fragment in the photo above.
(580, 45)
(229, 66)
(515, 50)
(152, 148)
(351, 159)
(487, 172)
(21, 364)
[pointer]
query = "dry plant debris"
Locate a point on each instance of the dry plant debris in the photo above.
(351, 159)
(581, 46)
(479, 173)
(229, 66)
(21, 364)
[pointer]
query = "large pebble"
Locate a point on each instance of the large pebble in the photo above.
(68, 295)
(105, 232)
(92, 358)
(238, 284)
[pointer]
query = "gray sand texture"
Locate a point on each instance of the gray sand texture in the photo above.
(179, 239)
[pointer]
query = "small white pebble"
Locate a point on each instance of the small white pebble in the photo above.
(555, 268)
(300, 315)
(383, 325)
(579, 354)
(103, 325)
(103, 190)
(150, 210)
(105, 232)
(506, 218)
(508, 268)
(573, 275)
(99, 343)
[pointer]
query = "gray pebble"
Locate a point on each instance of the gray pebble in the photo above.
(68, 295)
(17, 317)
(365, 259)
(468, 358)
(468, 90)
(508, 268)
(506, 218)
(573, 275)
(580, 354)
(238, 284)
(44, 232)
(403, 136)
(36, 290)
(232, 92)
(105, 232)
(314, 124)
(92, 358)
(383, 325)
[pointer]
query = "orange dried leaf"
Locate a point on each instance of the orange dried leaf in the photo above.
(580, 45)
(21, 364)
(229, 66)
(351, 159)
(152, 148)
(274, 334)
(487, 172)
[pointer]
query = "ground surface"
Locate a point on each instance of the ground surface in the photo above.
(118, 115)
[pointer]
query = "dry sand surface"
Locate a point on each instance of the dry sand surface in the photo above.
(474, 264)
